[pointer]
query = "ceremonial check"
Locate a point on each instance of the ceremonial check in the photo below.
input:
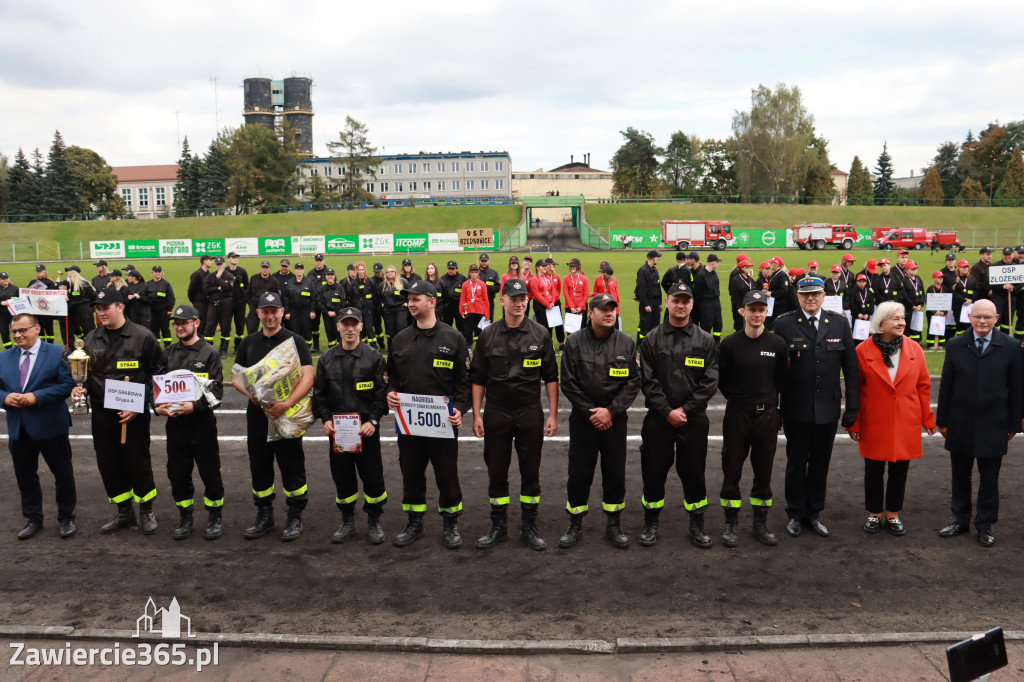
(425, 415)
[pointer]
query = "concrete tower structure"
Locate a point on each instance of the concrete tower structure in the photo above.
(268, 101)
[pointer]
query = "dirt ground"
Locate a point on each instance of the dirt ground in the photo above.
(848, 583)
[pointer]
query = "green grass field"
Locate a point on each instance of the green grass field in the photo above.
(625, 263)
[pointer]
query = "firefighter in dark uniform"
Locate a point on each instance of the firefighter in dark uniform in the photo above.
(1005, 295)
(949, 271)
(820, 346)
(138, 300)
(284, 273)
(7, 292)
(679, 376)
(451, 293)
(332, 300)
(241, 285)
(259, 284)
(512, 358)
(913, 299)
(319, 276)
(300, 304)
(739, 286)
(779, 289)
(862, 299)
(707, 292)
(352, 377)
(429, 358)
(753, 366)
(41, 281)
(80, 298)
(601, 378)
(648, 295)
(192, 427)
(965, 291)
(220, 296)
(886, 284)
(377, 302)
(680, 274)
(938, 286)
(979, 271)
(162, 296)
(291, 459)
(124, 351)
(492, 278)
(102, 278)
(197, 290)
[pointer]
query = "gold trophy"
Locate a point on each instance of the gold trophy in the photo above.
(80, 361)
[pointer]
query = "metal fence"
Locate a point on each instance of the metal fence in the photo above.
(806, 200)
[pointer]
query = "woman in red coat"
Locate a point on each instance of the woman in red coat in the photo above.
(895, 393)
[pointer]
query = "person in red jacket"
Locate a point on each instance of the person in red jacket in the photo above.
(599, 280)
(576, 287)
(543, 293)
(473, 305)
(527, 266)
(556, 282)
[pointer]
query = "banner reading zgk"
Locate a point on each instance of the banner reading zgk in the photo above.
(210, 247)
(369, 243)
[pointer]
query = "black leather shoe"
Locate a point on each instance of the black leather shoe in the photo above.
(954, 529)
(873, 524)
(67, 529)
(818, 528)
(30, 529)
(986, 538)
(264, 523)
(125, 518)
(413, 531)
(613, 531)
(794, 528)
(374, 533)
(572, 534)
(450, 533)
(292, 530)
(895, 527)
(347, 527)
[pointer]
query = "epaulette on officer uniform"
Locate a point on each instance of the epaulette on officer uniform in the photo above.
(785, 314)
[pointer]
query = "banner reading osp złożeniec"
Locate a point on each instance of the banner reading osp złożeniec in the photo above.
(282, 246)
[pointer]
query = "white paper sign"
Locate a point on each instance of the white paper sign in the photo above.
(771, 306)
(965, 313)
(46, 301)
(554, 314)
(124, 395)
(346, 433)
(833, 304)
(849, 317)
(573, 322)
(937, 326)
(1005, 274)
(917, 320)
(19, 306)
(861, 329)
(425, 415)
(174, 388)
(937, 302)
(484, 323)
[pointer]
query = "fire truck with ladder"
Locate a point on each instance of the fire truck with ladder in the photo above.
(819, 235)
(684, 234)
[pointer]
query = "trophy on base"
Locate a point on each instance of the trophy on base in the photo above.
(80, 361)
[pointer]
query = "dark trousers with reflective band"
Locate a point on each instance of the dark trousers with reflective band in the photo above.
(748, 430)
(471, 327)
(252, 320)
(344, 466)
(709, 318)
(585, 443)
(192, 441)
(648, 321)
(504, 424)
(5, 329)
(204, 310)
(238, 315)
(331, 329)
(56, 453)
(126, 470)
(414, 453)
(291, 460)
(686, 447)
(395, 320)
(987, 511)
(81, 321)
(808, 454)
(301, 324)
(1003, 309)
(160, 325)
(875, 491)
(450, 317)
(220, 315)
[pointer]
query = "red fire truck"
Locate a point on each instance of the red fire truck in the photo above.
(917, 238)
(819, 235)
(684, 234)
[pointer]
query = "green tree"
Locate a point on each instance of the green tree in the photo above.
(61, 194)
(355, 153)
(930, 192)
(683, 165)
(719, 167)
(319, 192)
(96, 182)
(23, 186)
(990, 157)
(771, 142)
(635, 165)
(188, 196)
(946, 164)
(213, 177)
(971, 194)
(261, 166)
(1011, 191)
(818, 187)
(3, 184)
(884, 186)
(859, 191)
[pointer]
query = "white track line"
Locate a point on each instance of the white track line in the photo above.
(468, 439)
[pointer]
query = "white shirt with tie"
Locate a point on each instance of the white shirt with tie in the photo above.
(34, 353)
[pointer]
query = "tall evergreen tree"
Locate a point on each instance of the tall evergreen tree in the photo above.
(884, 186)
(859, 191)
(971, 194)
(213, 183)
(930, 191)
(189, 191)
(818, 187)
(946, 164)
(22, 189)
(3, 185)
(635, 165)
(355, 153)
(61, 194)
(1011, 191)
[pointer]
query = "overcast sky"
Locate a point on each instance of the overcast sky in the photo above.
(541, 80)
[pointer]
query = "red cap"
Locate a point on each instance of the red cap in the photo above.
(937, 273)
(963, 264)
(911, 265)
(776, 259)
(741, 257)
(792, 272)
(836, 268)
(884, 261)
(862, 276)
(744, 263)
(872, 266)
(765, 264)
(813, 264)
(848, 257)
(901, 252)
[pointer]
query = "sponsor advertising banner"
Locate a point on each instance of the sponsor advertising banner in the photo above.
(109, 249)
(275, 246)
(342, 243)
(144, 248)
(411, 242)
(376, 242)
(638, 239)
(443, 241)
(175, 247)
(307, 245)
(243, 246)
(210, 247)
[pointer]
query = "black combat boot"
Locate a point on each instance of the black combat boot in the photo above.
(264, 523)
(697, 534)
(498, 531)
(125, 518)
(214, 525)
(185, 524)
(293, 528)
(530, 537)
(761, 532)
(732, 520)
(148, 518)
(450, 532)
(649, 535)
(374, 533)
(574, 533)
(347, 527)
(224, 347)
(614, 531)
(412, 532)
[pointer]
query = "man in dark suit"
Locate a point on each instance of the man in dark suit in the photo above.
(820, 346)
(34, 383)
(980, 404)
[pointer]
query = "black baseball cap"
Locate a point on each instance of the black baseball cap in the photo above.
(108, 296)
(513, 287)
(755, 296)
(513, 259)
(157, 268)
(4, 275)
(219, 260)
(269, 299)
(406, 261)
(265, 264)
(950, 256)
(233, 254)
(601, 301)
(73, 267)
(40, 268)
(421, 286)
(330, 271)
(680, 289)
(713, 258)
(681, 256)
(350, 266)
(300, 266)
(653, 253)
(115, 273)
(204, 257)
(350, 312)
(377, 267)
(129, 267)
(474, 268)
(693, 255)
(318, 256)
(100, 262)
(453, 264)
(484, 256)
(185, 312)
(1007, 251)
(285, 261)
(574, 263)
(527, 258)
(984, 249)
(608, 270)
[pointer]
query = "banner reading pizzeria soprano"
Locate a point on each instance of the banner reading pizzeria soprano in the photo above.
(1006, 274)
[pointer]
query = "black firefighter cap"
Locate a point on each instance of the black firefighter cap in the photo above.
(513, 287)
(185, 312)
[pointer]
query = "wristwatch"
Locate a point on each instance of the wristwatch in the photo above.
(374, 423)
